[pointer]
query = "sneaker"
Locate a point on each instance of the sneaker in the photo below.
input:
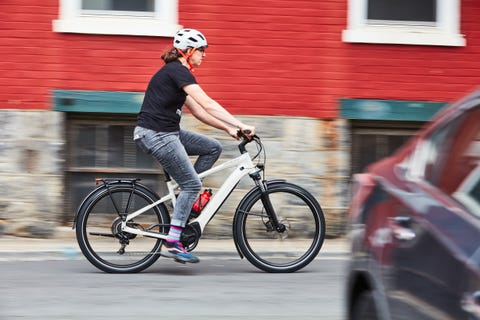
(176, 251)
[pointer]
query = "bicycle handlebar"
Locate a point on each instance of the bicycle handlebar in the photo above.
(245, 140)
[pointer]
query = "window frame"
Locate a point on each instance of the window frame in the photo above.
(446, 31)
(162, 23)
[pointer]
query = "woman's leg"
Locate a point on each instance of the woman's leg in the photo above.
(170, 152)
(206, 148)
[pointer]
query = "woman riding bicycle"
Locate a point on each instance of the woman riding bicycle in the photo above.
(158, 129)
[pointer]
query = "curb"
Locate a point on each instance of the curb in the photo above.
(66, 248)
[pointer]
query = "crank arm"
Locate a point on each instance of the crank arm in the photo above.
(108, 235)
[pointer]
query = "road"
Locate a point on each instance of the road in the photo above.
(212, 289)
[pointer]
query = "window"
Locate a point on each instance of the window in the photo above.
(102, 146)
(122, 17)
(406, 11)
(469, 191)
(449, 159)
(119, 5)
(374, 140)
(426, 22)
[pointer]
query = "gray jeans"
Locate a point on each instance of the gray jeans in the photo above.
(172, 150)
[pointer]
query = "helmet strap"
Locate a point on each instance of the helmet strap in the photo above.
(187, 57)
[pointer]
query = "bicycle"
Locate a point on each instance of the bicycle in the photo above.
(121, 225)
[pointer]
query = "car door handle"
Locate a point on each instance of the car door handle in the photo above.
(401, 228)
(471, 304)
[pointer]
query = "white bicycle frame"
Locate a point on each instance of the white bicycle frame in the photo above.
(244, 166)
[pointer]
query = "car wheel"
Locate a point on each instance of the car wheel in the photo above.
(363, 307)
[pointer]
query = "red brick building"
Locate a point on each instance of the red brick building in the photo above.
(313, 59)
(264, 58)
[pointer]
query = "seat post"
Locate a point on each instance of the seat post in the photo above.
(167, 176)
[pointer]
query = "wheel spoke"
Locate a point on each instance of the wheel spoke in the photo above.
(104, 243)
(294, 242)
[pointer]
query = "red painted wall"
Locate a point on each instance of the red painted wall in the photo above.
(265, 57)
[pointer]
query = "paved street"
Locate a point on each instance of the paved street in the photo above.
(214, 289)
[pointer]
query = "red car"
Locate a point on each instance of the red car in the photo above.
(414, 221)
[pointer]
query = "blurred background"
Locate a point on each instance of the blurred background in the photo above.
(331, 86)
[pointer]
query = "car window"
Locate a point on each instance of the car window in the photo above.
(469, 192)
(449, 158)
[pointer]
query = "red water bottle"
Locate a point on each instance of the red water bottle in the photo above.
(201, 202)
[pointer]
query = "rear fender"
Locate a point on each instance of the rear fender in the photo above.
(106, 183)
(87, 200)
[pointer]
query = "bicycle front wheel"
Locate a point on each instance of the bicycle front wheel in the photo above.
(99, 234)
(291, 247)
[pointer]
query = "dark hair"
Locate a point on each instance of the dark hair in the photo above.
(170, 55)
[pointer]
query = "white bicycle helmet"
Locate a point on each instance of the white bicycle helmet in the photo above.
(189, 38)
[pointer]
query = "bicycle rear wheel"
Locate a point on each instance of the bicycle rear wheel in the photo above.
(287, 250)
(98, 228)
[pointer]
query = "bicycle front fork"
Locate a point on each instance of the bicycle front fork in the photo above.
(267, 204)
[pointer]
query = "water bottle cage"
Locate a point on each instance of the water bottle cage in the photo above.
(200, 203)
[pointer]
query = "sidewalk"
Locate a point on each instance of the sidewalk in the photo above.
(65, 247)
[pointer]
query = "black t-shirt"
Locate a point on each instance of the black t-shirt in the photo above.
(162, 105)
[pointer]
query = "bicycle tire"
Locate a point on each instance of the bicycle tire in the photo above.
(273, 251)
(98, 234)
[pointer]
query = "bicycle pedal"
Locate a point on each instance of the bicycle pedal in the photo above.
(166, 254)
(180, 261)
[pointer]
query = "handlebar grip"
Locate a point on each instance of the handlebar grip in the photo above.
(243, 134)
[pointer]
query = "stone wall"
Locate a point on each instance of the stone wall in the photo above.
(313, 153)
(31, 172)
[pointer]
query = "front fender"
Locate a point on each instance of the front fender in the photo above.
(240, 205)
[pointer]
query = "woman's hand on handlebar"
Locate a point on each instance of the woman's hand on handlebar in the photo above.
(248, 131)
(243, 132)
(233, 132)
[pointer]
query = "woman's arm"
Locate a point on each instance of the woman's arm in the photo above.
(213, 108)
(199, 112)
